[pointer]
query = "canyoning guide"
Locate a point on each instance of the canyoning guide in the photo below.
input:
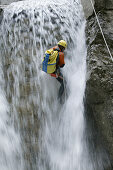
(53, 61)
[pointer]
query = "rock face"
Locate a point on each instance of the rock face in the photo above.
(7, 2)
(87, 7)
(1, 15)
(99, 5)
(99, 87)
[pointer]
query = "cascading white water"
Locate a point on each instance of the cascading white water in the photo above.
(63, 125)
(28, 29)
(10, 153)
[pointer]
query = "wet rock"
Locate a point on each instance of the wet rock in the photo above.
(98, 4)
(102, 4)
(99, 88)
(7, 2)
(14, 16)
(1, 15)
(87, 7)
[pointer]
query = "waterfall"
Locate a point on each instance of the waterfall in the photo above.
(50, 135)
(10, 153)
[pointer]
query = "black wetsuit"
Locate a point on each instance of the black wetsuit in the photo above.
(60, 78)
(61, 90)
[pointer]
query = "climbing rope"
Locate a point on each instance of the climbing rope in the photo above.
(101, 30)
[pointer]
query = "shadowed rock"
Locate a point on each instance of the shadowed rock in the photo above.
(99, 89)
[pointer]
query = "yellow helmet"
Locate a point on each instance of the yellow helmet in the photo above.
(62, 43)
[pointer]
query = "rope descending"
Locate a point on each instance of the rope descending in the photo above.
(101, 30)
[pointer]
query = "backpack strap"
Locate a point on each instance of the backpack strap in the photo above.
(57, 49)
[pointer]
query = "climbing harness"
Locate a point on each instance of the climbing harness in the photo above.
(101, 30)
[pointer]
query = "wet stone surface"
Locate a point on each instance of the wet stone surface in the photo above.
(99, 89)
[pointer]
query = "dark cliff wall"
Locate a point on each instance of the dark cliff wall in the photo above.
(99, 87)
(99, 5)
(103, 4)
(1, 15)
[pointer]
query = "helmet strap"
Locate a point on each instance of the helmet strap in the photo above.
(61, 48)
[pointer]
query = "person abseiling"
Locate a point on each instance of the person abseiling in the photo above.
(53, 61)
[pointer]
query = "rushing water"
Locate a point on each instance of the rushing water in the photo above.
(10, 153)
(52, 135)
